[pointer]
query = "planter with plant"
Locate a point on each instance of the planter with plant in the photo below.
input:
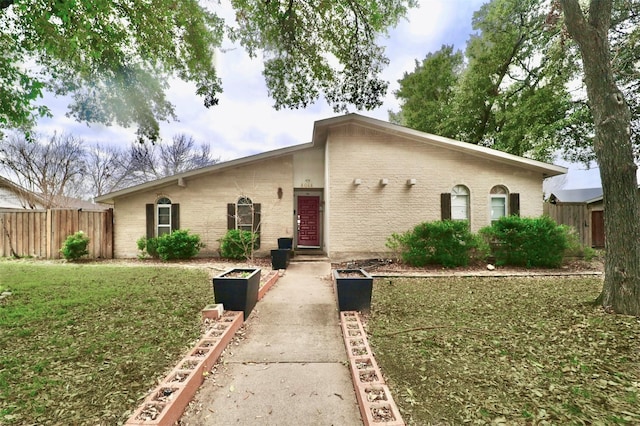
(237, 289)
(353, 289)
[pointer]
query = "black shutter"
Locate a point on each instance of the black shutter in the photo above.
(445, 205)
(151, 217)
(256, 223)
(231, 216)
(175, 217)
(514, 204)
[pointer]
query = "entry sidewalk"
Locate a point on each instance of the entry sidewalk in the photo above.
(291, 368)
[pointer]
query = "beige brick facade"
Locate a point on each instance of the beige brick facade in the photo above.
(362, 217)
(203, 205)
(356, 220)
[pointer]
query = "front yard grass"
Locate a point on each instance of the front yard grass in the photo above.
(81, 344)
(505, 351)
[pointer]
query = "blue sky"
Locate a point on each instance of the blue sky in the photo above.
(245, 122)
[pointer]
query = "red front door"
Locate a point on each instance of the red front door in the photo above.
(308, 221)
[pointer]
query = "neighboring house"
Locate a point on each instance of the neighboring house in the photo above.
(13, 196)
(358, 181)
(581, 208)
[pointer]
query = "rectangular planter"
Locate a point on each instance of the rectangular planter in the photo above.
(280, 258)
(237, 289)
(285, 243)
(353, 289)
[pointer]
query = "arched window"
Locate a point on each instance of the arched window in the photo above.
(163, 216)
(244, 214)
(460, 203)
(499, 202)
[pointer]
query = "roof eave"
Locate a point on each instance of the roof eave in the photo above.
(174, 179)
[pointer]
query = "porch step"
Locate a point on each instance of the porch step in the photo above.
(309, 258)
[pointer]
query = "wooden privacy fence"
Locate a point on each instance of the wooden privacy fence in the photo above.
(41, 233)
(572, 214)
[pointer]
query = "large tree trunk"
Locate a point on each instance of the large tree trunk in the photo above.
(614, 153)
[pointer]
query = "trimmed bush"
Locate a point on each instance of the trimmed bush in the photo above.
(179, 244)
(75, 246)
(448, 243)
(238, 244)
(529, 242)
(148, 247)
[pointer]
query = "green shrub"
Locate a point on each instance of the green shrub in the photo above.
(178, 244)
(238, 244)
(530, 242)
(75, 246)
(148, 247)
(447, 243)
(574, 246)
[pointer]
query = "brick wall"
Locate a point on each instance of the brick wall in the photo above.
(361, 217)
(203, 205)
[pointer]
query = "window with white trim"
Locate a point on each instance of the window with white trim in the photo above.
(244, 214)
(460, 203)
(163, 216)
(499, 202)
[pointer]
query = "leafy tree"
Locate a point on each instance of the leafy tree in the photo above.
(427, 93)
(510, 94)
(115, 58)
(614, 152)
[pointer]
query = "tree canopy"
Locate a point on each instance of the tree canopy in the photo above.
(518, 86)
(114, 59)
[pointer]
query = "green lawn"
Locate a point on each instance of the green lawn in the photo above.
(81, 344)
(505, 351)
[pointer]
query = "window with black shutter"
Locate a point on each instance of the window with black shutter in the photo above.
(163, 217)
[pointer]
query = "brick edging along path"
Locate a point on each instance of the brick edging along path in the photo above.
(167, 402)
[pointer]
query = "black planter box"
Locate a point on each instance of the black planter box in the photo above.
(280, 258)
(237, 289)
(353, 289)
(285, 243)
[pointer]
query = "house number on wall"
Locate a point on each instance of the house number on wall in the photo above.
(307, 183)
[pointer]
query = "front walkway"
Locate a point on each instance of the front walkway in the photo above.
(291, 367)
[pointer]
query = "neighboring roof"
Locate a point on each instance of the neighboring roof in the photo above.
(38, 201)
(26, 195)
(320, 132)
(77, 203)
(583, 195)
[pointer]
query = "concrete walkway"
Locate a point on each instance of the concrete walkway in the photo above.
(291, 368)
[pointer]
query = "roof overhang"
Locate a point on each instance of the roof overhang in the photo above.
(320, 133)
(181, 177)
